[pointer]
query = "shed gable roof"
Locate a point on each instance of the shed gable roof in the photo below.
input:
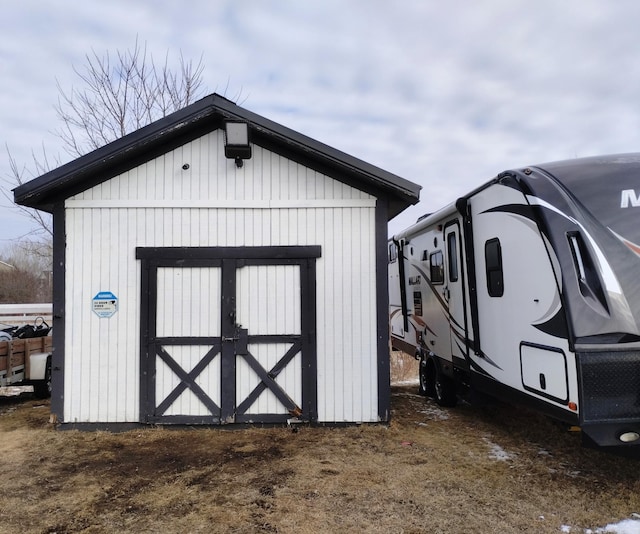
(193, 121)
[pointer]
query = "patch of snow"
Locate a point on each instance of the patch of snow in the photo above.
(426, 407)
(626, 526)
(411, 382)
(435, 413)
(497, 452)
(14, 391)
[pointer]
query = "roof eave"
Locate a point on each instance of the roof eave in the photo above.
(43, 192)
(37, 193)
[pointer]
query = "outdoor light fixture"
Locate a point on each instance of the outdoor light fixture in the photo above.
(236, 141)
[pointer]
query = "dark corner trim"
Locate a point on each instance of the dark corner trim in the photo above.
(57, 358)
(382, 313)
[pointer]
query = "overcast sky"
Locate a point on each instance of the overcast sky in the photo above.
(445, 94)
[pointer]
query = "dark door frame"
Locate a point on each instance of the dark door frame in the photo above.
(229, 259)
(459, 332)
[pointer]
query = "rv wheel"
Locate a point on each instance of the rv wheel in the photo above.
(445, 390)
(427, 378)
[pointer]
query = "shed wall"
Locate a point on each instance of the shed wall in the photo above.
(270, 201)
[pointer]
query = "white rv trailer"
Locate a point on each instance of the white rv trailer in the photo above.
(528, 289)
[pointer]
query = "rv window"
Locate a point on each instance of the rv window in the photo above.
(493, 259)
(436, 261)
(417, 303)
(452, 250)
(393, 252)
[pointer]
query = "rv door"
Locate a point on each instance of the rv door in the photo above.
(454, 291)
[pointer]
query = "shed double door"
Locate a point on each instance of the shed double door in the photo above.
(228, 335)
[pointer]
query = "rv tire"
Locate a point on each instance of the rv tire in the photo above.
(427, 377)
(445, 389)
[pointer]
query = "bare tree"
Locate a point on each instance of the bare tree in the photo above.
(25, 273)
(41, 229)
(121, 96)
(115, 95)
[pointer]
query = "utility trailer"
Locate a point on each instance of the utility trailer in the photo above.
(528, 289)
(26, 362)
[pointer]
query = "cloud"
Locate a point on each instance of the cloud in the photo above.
(443, 94)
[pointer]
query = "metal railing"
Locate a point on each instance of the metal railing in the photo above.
(20, 314)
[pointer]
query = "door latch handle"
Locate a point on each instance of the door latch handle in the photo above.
(241, 340)
(238, 328)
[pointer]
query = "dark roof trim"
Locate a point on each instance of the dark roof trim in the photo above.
(196, 119)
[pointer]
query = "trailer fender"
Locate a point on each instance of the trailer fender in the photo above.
(38, 365)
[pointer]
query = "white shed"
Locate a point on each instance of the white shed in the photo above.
(198, 285)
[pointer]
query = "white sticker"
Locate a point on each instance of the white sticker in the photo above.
(105, 304)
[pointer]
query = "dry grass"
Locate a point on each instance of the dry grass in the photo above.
(469, 469)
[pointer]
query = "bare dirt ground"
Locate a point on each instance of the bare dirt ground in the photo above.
(469, 469)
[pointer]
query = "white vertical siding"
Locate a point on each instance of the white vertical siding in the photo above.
(188, 306)
(209, 380)
(268, 303)
(268, 299)
(100, 354)
(267, 176)
(187, 302)
(104, 225)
